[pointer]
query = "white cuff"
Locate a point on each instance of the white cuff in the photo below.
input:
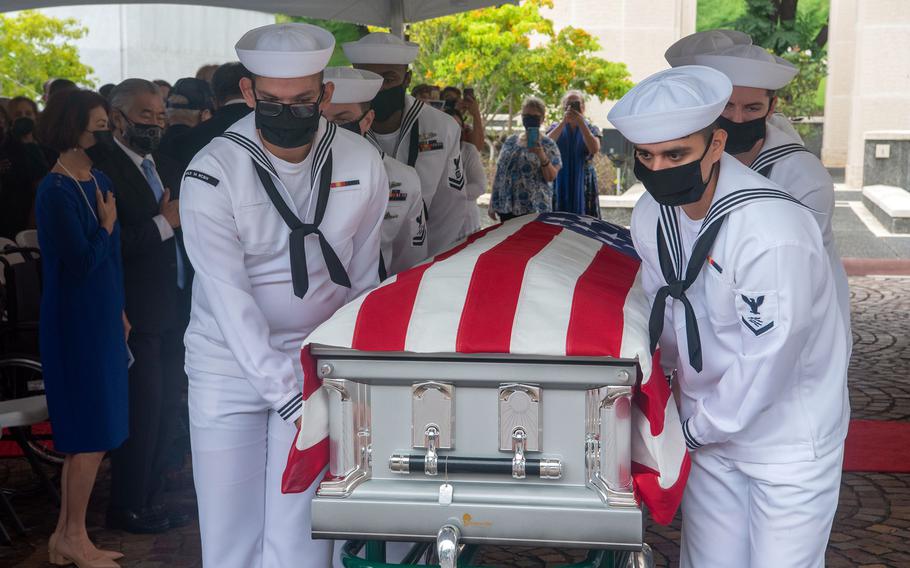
(164, 227)
(290, 408)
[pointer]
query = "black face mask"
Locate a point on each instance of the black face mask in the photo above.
(388, 102)
(354, 125)
(23, 126)
(530, 121)
(103, 138)
(142, 137)
(676, 186)
(287, 130)
(742, 136)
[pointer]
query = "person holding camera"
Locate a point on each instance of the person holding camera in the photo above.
(579, 142)
(528, 163)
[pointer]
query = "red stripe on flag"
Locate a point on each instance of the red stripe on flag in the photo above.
(662, 502)
(596, 320)
(383, 319)
(489, 309)
(651, 396)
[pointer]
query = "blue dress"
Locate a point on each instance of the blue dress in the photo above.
(83, 351)
(575, 186)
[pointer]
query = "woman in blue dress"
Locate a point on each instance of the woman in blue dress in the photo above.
(579, 142)
(83, 327)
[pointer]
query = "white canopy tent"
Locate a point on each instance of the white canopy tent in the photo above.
(387, 13)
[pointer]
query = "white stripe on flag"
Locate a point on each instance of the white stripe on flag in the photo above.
(545, 301)
(338, 330)
(635, 335)
(443, 290)
(663, 453)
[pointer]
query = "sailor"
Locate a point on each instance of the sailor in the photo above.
(281, 216)
(404, 229)
(684, 51)
(742, 308)
(415, 134)
(761, 145)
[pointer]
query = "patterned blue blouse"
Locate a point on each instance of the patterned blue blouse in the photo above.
(519, 187)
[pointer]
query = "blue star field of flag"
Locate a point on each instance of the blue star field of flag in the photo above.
(614, 236)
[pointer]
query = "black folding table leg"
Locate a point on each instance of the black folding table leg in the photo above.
(4, 502)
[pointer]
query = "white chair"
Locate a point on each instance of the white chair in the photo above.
(27, 238)
(19, 413)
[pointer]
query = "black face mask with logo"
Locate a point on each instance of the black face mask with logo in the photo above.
(742, 136)
(144, 138)
(388, 102)
(680, 185)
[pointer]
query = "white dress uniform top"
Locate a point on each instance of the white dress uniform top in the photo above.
(247, 324)
(404, 228)
(782, 160)
(475, 186)
(766, 415)
(428, 140)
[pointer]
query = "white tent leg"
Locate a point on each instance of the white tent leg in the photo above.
(396, 17)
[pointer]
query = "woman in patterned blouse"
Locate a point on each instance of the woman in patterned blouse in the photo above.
(524, 175)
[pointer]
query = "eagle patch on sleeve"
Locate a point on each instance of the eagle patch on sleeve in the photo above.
(757, 311)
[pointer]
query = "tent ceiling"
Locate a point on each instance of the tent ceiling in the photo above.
(388, 13)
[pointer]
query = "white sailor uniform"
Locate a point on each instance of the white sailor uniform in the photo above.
(430, 141)
(475, 186)
(766, 415)
(791, 166)
(247, 324)
(404, 228)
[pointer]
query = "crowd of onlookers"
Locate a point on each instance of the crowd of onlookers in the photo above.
(98, 173)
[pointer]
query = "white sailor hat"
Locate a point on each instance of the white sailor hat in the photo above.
(671, 104)
(380, 48)
(352, 85)
(750, 66)
(283, 51)
(683, 51)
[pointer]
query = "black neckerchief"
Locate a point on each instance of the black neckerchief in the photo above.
(322, 169)
(678, 277)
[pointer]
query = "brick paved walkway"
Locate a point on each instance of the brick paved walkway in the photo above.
(871, 530)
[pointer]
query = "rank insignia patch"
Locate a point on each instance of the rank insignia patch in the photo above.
(758, 311)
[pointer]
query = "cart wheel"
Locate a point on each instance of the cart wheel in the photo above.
(643, 559)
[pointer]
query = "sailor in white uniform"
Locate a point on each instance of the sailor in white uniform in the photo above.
(684, 51)
(742, 296)
(759, 144)
(415, 134)
(404, 229)
(281, 218)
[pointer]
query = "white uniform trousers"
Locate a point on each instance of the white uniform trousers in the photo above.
(752, 515)
(240, 447)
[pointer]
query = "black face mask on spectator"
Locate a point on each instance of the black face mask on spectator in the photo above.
(530, 121)
(23, 126)
(143, 137)
(103, 138)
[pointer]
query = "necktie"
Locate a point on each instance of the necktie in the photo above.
(148, 170)
(676, 289)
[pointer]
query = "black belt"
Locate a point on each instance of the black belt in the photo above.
(299, 230)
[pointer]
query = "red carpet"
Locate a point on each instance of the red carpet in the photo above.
(879, 446)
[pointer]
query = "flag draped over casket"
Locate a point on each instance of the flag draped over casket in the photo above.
(548, 284)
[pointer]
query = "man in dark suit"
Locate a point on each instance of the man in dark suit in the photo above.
(189, 104)
(230, 109)
(155, 269)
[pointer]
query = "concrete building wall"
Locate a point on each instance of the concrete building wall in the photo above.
(156, 41)
(839, 89)
(881, 76)
(630, 31)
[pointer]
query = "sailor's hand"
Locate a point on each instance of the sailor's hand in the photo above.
(170, 210)
(298, 422)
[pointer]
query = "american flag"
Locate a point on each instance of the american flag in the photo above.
(550, 284)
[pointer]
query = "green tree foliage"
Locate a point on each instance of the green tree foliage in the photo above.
(34, 48)
(796, 30)
(509, 52)
(343, 32)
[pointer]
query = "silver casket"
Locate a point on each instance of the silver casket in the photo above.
(501, 449)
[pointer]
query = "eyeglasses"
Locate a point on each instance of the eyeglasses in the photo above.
(299, 110)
